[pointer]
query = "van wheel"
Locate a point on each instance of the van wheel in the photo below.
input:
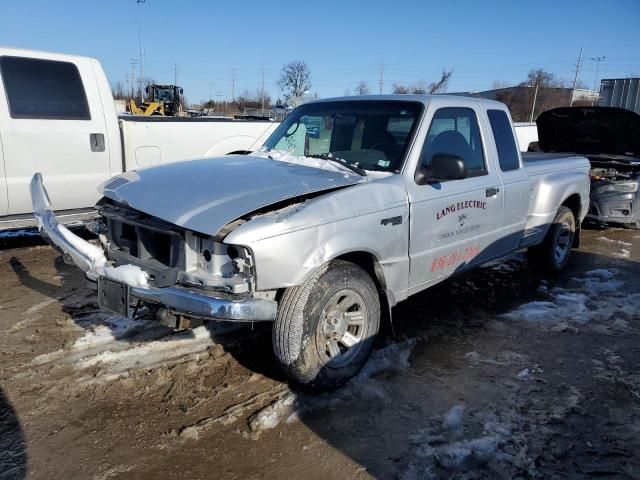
(554, 252)
(325, 328)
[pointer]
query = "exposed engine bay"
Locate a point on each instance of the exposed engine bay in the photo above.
(614, 190)
(610, 138)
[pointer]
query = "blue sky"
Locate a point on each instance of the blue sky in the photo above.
(343, 42)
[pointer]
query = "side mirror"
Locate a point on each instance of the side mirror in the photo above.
(146, 90)
(445, 166)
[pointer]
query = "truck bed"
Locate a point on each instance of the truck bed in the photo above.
(528, 157)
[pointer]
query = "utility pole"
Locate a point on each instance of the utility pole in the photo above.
(175, 73)
(262, 90)
(133, 62)
(575, 79)
(381, 81)
(595, 82)
(233, 84)
(533, 107)
(140, 2)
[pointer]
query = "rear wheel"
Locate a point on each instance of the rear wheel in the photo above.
(554, 252)
(325, 328)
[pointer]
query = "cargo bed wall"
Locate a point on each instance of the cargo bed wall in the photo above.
(162, 140)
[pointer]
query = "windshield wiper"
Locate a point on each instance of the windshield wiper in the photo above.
(339, 161)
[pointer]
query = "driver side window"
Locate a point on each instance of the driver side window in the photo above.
(455, 131)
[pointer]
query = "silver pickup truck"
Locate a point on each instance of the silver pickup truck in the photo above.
(351, 206)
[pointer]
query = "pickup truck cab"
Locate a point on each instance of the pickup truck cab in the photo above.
(351, 206)
(58, 117)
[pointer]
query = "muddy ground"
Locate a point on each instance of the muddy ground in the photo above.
(495, 374)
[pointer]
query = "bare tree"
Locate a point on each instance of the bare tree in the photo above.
(119, 92)
(401, 89)
(540, 91)
(294, 79)
(362, 88)
(542, 79)
(440, 86)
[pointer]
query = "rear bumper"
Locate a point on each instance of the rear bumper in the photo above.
(91, 260)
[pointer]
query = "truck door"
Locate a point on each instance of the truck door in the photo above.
(515, 181)
(52, 122)
(456, 223)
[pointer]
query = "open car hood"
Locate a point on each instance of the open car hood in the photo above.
(590, 130)
(205, 195)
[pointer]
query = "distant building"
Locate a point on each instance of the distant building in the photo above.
(620, 92)
(582, 95)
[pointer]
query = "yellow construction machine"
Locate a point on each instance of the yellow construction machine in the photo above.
(163, 100)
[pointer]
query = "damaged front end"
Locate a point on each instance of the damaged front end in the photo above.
(151, 268)
(615, 191)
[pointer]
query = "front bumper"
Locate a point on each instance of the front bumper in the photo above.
(91, 260)
(614, 208)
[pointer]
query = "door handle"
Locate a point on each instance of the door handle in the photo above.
(96, 140)
(492, 192)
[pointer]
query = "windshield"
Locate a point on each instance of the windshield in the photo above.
(163, 94)
(372, 135)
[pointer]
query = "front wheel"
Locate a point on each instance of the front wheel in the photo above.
(554, 251)
(325, 328)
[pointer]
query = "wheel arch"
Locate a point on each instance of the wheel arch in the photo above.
(370, 264)
(574, 203)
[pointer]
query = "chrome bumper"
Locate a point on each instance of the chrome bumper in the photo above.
(91, 260)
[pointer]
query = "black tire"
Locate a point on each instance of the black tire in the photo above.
(304, 337)
(545, 257)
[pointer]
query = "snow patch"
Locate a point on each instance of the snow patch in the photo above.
(290, 407)
(617, 242)
(289, 157)
(151, 354)
(132, 275)
(39, 306)
(597, 295)
(453, 419)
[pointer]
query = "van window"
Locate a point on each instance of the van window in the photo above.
(43, 89)
(505, 142)
(455, 131)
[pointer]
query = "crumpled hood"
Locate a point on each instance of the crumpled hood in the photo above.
(204, 195)
(590, 130)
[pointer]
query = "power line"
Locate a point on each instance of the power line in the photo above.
(140, 2)
(233, 84)
(133, 62)
(597, 60)
(262, 90)
(575, 79)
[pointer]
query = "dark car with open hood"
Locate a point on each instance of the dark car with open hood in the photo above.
(610, 139)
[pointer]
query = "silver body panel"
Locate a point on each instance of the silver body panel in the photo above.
(204, 195)
(390, 218)
(91, 260)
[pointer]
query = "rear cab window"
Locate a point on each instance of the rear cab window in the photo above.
(508, 155)
(43, 89)
(455, 131)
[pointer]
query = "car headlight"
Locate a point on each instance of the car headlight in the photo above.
(213, 264)
(612, 188)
